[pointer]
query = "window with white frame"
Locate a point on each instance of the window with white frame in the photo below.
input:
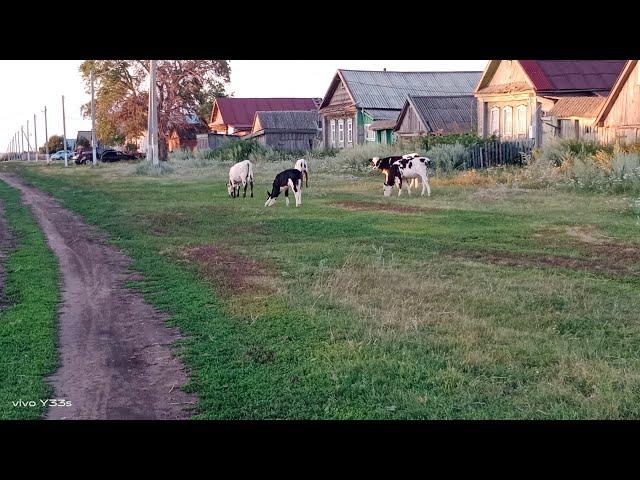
(370, 135)
(495, 121)
(333, 133)
(341, 132)
(349, 130)
(521, 120)
(507, 120)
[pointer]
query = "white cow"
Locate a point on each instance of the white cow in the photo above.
(304, 169)
(241, 174)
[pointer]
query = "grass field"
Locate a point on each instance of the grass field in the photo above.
(28, 320)
(485, 301)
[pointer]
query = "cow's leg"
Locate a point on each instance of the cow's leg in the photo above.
(398, 182)
(244, 195)
(425, 185)
(286, 196)
(251, 183)
(298, 193)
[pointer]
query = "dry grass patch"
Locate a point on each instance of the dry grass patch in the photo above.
(229, 271)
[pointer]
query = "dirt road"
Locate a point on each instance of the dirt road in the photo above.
(115, 357)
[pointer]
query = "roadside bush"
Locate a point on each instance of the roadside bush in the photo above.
(447, 158)
(148, 169)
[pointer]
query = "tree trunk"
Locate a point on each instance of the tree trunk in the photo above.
(163, 149)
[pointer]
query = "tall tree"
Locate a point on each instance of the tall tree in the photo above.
(185, 88)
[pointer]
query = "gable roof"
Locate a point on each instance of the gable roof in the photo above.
(451, 114)
(561, 75)
(615, 91)
(239, 112)
(289, 121)
(84, 134)
(584, 107)
(388, 90)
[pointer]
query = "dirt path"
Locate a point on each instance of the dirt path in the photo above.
(114, 348)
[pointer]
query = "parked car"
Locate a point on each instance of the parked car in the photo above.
(115, 156)
(59, 155)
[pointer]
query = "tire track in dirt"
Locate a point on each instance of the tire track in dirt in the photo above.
(115, 354)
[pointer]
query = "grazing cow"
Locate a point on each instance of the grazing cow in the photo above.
(288, 179)
(410, 169)
(384, 164)
(304, 168)
(240, 174)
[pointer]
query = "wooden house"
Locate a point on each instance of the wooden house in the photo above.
(234, 116)
(363, 106)
(516, 98)
(287, 130)
(436, 116)
(184, 137)
(618, 120)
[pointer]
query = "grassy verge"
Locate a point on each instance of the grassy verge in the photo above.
(28, 323)
(481, 302)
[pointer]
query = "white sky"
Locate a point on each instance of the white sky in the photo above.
(26, 86)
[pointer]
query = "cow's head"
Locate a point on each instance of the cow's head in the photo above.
(231, 189)
(270, 200)
(375, 161)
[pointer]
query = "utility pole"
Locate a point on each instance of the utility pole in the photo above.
(21, 141)
(64, 140)
(93, 122)
(28, 144)
(46, 135)
(35, 135)
(152, 124)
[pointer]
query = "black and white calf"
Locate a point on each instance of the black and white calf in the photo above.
(304, 169)
(289, 179)
(241, 174)
(414, 168)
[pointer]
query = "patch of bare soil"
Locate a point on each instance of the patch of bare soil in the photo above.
(7, 243)
(612, 261)
(115, 350)
(230, 272)
(375, 207)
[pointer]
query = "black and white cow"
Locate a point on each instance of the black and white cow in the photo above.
(384, 165)
(288, 179)
(414, 168)
(240, 174)
(304, 168)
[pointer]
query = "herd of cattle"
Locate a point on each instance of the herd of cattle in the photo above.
(411, 167)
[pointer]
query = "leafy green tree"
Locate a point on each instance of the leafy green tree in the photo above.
(185, 87)
(83, 142)
(55, 143)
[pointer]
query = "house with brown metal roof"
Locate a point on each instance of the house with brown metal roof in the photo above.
(234, 116)
(436, 116)
(543, 99)
(363, 106)
(618, 120)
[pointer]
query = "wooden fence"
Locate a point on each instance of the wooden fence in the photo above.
(494, 153)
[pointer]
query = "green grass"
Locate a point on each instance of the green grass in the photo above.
(375, 314)
(28, 324)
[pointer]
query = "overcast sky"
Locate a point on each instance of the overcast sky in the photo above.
(26, 86)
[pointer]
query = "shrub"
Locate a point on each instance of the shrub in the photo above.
(148, 169)
(446, 157)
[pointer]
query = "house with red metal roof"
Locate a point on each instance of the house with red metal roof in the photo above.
(234, 116)
(543, 99)
(618, 120)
